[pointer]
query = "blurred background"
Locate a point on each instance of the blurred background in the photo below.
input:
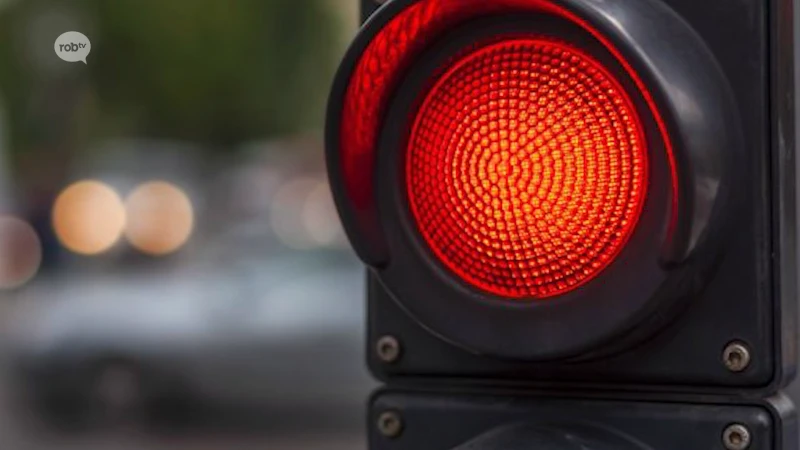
(172, 270)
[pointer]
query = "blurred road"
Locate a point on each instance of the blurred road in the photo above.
(133, 442)
(19, 431)
(254, 429)
(289, 310)
(123, 441)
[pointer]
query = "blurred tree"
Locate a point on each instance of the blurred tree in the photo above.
(207, 71)
(217, 71)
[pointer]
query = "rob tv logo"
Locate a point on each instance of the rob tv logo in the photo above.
(73, 46)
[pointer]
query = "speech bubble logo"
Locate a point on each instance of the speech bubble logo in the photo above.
(73, 46)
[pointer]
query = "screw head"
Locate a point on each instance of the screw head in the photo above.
(390, 424)
(736, 357)
(388, 349)
(736, 437)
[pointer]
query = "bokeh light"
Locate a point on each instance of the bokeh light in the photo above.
(320, 218)
(286, 213)
(89, 217)
(20, 252)
(160, 218)
(303, 215)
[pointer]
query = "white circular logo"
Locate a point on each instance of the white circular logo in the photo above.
(73, 46)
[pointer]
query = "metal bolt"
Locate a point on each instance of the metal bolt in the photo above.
(736, 357)
(390, 424)
(736, 437)
(388, 349)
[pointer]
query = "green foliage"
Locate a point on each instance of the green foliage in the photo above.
(216, 72)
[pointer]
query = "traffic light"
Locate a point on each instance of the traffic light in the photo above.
(578, 217)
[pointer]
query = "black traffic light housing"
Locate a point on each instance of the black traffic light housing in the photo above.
(511, 421)
(735, 285)
(715, 346)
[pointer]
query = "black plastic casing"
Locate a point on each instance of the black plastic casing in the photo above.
(368, 8)
(750, 297)
(514, 420)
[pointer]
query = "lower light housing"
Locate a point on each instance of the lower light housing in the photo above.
(518, 420)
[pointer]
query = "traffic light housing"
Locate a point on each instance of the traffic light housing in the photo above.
(447, 421)
(574, 195)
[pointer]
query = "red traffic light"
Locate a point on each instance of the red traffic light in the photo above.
(533, 171)
(526, 167)
(569, 197)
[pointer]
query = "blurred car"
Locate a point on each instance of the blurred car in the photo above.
(283, 332)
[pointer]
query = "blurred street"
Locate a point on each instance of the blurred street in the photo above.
(255, 426)
(173, 274)
(189, 440)
(243, 334)
(22, 429)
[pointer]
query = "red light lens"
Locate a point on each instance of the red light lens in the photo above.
(527, 168)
